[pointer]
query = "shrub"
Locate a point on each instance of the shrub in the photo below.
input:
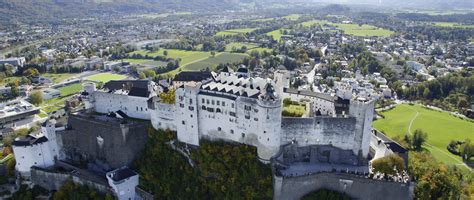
(388, 164)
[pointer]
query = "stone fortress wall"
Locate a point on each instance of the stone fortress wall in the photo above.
(112, 143)
(355, 186)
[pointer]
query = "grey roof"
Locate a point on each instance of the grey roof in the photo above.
(138, 88)
(246, 87)
(193, 76)
(29, 140)
(122, 173)
(323, 96)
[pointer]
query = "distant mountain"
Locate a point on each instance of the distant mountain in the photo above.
(12, 11)
(412, 4)
(25, 11)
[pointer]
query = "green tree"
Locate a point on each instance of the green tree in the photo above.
(467, 149)
(142, 75)
(426, 93)
(419, 138)
(30, 72)
(389, 164)
(149, 73)
(434, 180)
(168, 97)
(36, 97)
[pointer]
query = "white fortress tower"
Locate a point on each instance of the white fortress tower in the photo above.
(89, 89)
(362, 109)
(123, 182)
(40, 150)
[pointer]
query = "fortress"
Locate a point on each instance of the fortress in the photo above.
(248, 110)
(328, 147)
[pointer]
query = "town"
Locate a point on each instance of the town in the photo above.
(311, 101)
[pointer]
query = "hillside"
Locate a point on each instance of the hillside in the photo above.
(220, 170)
(37, 11)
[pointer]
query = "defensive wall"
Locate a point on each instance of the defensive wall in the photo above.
(355, 186)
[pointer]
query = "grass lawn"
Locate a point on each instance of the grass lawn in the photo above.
(235, 31)
(198, 60)
(146, 62)
(57, 78)
(314, 23)
(185, 56)
(212, 62)
(292, 17)
(105, 77)
(250, 47)
(441, 128)
(53, 105)
(239, 45)
(5, 81)
(70, 89)
(364, 30)
(452, 25)
(276, 34)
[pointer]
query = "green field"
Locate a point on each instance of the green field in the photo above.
(105, 77)
(250, 47)
(70, 89)
(292, 17)
(441, 128)
(239, 45)
(452, 25)
(57, 78)
(212, 62)
(197, 60)
(352, 29)
(277, 34)
(235, 31)
(364, 30)
(314, 23)
(185, 56)
(146, 62)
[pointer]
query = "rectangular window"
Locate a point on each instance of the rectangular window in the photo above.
(247, 116)
(181, 105)
(223, 103)
(233, 105)
(203, 101)
(182, 122)
(191, 108)
(213, 102)
(218, 103)
(248, 108)
(232, 114)
(210, 109)
(190, 101)
(207, 101)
